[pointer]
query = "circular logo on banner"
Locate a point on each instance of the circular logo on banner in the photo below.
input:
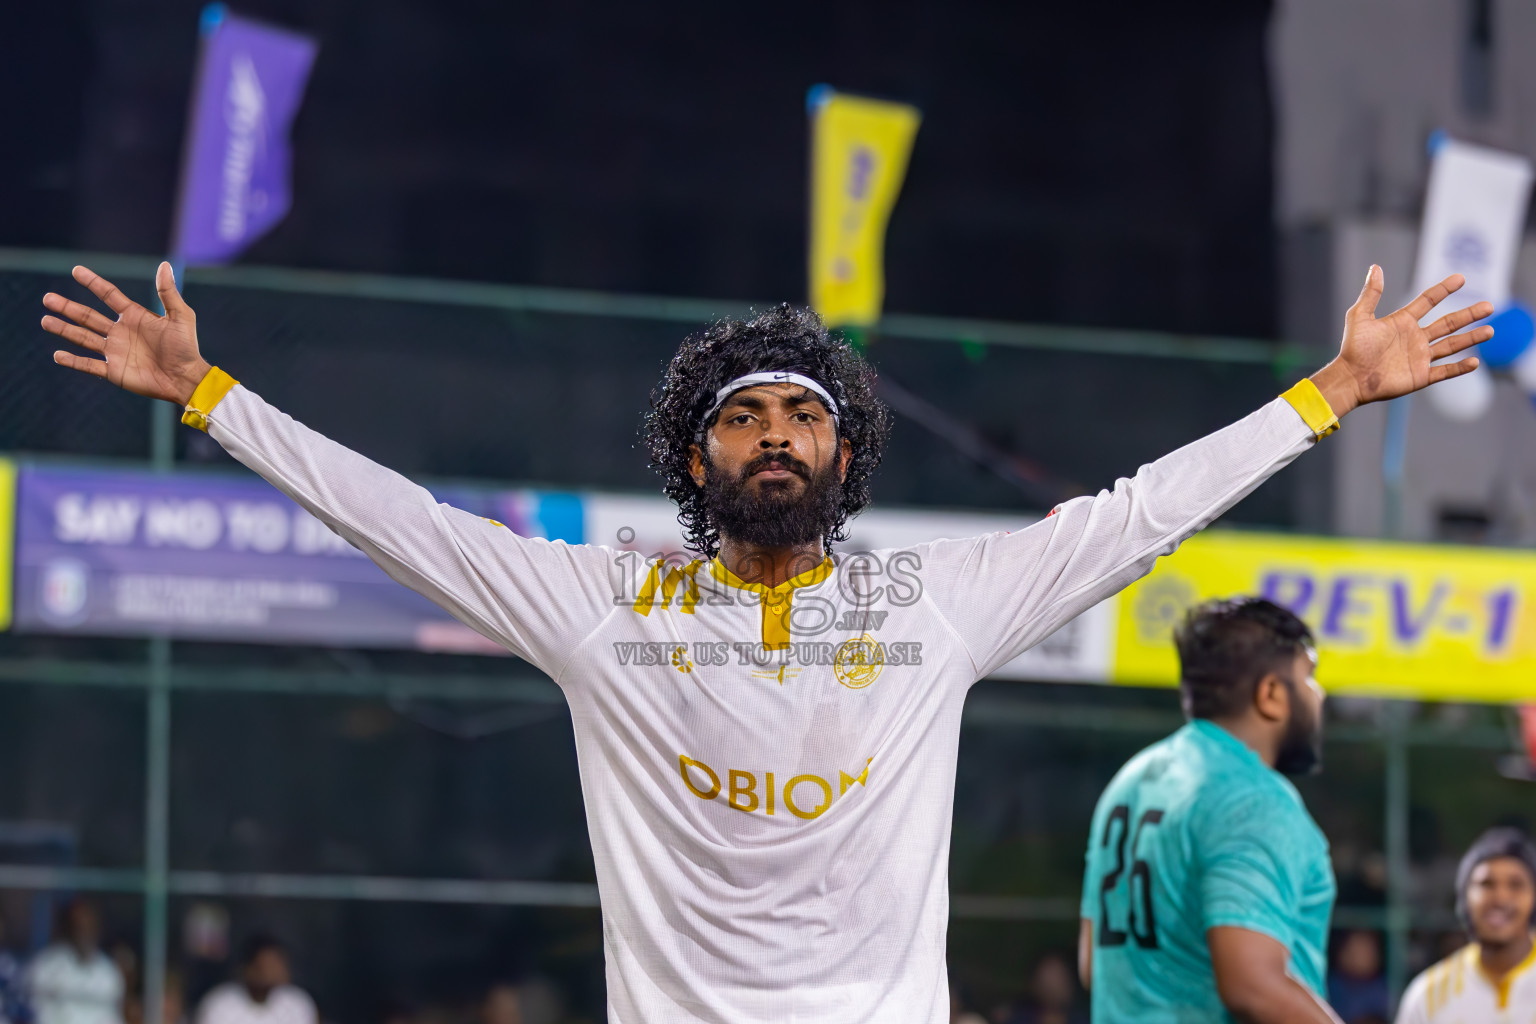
(62, 592)
(858, 662)
(1160, 604)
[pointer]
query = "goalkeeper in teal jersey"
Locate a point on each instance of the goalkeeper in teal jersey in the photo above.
(1208, 887)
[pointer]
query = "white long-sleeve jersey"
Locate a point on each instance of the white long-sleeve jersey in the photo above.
(768, 772)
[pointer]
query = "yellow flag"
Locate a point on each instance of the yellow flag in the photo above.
(859, 151)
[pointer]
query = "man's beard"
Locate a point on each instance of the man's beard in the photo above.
(773, 515)
(1301, 749)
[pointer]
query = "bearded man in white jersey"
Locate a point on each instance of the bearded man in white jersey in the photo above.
(767, 736)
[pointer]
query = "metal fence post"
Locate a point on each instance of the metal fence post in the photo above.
(157, 775)
(157, 819)
(156, 826)
(1399, 868)
(162, 435)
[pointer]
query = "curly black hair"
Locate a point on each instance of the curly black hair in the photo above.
(783, 338)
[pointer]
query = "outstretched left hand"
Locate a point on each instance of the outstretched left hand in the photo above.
(1386, 357)
(151, 355)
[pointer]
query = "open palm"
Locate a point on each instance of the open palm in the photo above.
(1385, 357)
(143, 352)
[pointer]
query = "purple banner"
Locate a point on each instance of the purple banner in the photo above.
(235, 183)
(124, 553)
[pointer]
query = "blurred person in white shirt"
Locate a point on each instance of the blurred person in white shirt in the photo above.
(71, 981)
(264, 992)
(1490, 980)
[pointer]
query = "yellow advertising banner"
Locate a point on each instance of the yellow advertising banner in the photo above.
(7, 538)
(859, 150)
(1391, 620)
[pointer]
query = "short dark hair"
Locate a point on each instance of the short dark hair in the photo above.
(1492, 845)
(64, 916)
(783, 338)
(258, 943)
(1227, 646)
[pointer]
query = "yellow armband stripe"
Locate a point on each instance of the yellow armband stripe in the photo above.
(1313, 408)
(215, 385)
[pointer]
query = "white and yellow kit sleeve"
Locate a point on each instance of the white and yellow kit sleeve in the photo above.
(537, 598)
(1005, 592)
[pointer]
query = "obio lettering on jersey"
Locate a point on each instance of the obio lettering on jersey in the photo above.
(805, 796)
(1348, 608)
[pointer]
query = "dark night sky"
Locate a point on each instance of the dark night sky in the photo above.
(1100, 163)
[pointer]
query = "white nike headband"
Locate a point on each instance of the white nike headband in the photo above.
(768, 377)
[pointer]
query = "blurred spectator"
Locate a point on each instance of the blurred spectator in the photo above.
(71, 981)
(264, 993)
(14, 1008)
(1357, 991)
(1053, 993)
(501, 1005)
(173, 1001)
(205, 949)
(205, 932)
(126, 959)
(1490, 979)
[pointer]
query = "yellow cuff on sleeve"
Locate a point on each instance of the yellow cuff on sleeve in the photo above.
(1313, 408)
(215, 385)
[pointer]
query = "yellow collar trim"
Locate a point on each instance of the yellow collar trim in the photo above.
(776, 600)
(809, 578)
(1506, 981)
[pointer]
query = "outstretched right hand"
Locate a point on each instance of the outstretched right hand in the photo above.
(150, 355)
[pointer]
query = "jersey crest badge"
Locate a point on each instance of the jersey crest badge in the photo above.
(858, 662)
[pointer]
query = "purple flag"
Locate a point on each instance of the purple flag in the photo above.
(235, 182)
